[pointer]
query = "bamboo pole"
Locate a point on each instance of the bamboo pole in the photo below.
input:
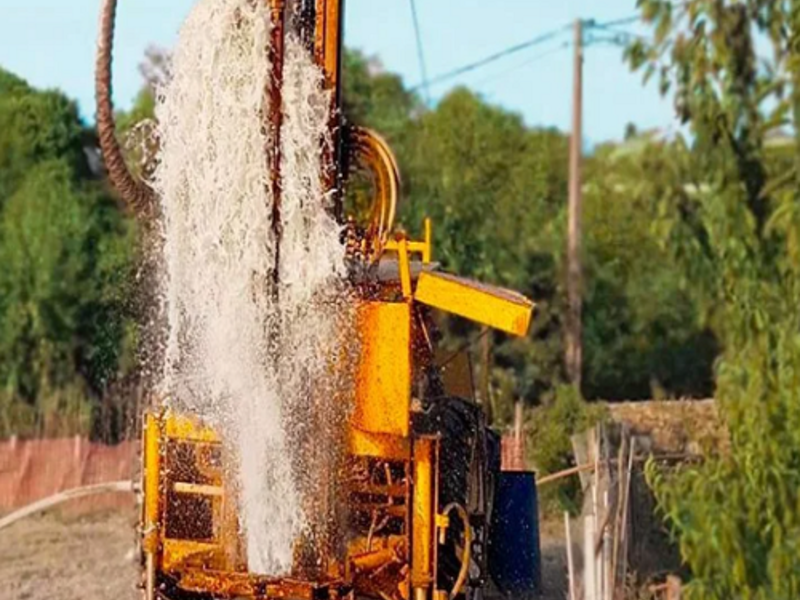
(590, 467)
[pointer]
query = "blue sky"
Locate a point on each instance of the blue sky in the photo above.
(51, 43)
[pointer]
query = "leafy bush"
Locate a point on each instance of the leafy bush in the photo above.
(549, 429)
(737, 516)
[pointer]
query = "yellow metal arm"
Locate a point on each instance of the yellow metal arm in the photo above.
(489, 305)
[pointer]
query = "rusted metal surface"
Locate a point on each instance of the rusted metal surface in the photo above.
(327, 48)
(261, 588)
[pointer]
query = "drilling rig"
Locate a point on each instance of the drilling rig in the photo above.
(423, 464)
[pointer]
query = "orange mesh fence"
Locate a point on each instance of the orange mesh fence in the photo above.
(35, 469)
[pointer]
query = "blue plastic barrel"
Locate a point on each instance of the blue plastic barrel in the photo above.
(515, 561)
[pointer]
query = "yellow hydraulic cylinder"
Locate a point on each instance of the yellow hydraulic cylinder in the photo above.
(152, 468)
(152, 478)
(423, 516)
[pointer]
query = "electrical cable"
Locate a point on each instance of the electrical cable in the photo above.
(616, 23)
(420, 53)
(530, 61)
(540, 39)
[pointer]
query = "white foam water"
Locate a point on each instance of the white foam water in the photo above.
(263, 371)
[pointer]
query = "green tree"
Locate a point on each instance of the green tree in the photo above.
(734, 231)
(35, 127)
(67, 254)
(375, 98)
(495, 191)
(644, 332)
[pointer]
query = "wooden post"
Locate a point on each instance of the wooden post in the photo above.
(574, 329)
(589, 561)
(519, 439)
(570, 560)
(607, 589)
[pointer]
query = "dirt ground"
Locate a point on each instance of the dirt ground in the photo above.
(555, 584)
(92, 558)
(68, 558)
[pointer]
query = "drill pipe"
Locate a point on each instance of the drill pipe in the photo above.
(274, 124)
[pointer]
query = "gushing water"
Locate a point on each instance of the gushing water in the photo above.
(259, 366)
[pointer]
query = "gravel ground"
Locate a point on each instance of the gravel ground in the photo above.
(92, 558)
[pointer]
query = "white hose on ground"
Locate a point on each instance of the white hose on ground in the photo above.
(123, 487)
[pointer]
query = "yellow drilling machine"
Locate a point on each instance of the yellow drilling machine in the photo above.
(428, 513)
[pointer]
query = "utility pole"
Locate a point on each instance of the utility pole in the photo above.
(574, 325)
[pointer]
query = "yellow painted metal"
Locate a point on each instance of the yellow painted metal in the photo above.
(185, 427)
(405, 266)
(177, 553)
(423, 248)
(327, 36)
(383, 381)
(424, 511)
(379, 445)
(151, 487)
(489, 305)
(442, 525)
(420, 248)
(427, 250)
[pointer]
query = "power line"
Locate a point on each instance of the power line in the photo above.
(532, 60)
(420, 53)
(540, 39)
(615, 23)
(621, 39)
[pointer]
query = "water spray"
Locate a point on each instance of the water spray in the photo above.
(306, 443)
